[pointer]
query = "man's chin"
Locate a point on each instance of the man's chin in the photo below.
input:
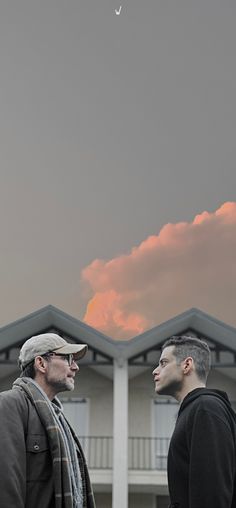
(71, 385)
(160, 390)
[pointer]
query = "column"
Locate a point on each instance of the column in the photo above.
(120, 435)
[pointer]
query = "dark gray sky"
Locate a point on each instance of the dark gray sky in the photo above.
(110, 127)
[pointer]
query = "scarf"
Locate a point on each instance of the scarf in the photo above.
(71, 479)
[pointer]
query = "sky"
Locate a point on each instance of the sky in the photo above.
(118, 160)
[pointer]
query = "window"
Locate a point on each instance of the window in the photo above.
(76, 411)
(164, 417)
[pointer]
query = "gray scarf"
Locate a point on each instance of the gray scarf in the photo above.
(75, 473)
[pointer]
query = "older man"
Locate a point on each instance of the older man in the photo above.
(42, 463)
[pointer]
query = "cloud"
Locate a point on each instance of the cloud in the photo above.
(186, 265)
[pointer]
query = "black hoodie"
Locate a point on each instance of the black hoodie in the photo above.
(202, 453)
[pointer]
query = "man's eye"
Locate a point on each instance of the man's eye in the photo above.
(163, 363)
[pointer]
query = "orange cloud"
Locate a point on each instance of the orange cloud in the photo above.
(105, 311)
(185, 265)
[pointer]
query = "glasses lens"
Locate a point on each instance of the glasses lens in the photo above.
(67, 358)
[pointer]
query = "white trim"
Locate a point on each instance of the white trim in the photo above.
(51, 317)
(120, 435)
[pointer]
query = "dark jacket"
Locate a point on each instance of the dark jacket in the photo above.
(26, 479)
(202, 453)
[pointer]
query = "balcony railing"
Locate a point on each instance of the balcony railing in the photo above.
(98, 451)
(148, 453)
(145, 453)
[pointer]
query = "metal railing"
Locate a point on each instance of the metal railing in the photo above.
(148, 453)
(98, 451)
(145, 453)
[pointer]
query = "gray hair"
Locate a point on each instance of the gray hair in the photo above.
(199, 351)
(28, 371)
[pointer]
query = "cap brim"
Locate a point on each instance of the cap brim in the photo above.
(78, 350)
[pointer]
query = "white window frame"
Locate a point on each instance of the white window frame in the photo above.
(154, 403)
(85, 434)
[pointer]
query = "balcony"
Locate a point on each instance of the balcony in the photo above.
(145, 453)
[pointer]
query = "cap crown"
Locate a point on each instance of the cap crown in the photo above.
(38, 345)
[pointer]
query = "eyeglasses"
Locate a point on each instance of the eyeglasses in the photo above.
(69, 358)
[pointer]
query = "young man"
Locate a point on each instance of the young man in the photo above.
(42, 463)
(202, 452)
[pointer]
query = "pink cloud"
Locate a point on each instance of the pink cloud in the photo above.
(188, 264)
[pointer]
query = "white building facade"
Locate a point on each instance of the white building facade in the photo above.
(123, 426)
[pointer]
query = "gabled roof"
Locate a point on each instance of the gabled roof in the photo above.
(50, 317)
(193, 319)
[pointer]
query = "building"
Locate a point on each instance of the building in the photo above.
(124, 427)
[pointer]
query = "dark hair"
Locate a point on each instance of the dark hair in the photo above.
(199, 350)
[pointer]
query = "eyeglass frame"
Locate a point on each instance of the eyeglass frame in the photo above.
(69, 357)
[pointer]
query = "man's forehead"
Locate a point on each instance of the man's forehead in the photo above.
(167, 352)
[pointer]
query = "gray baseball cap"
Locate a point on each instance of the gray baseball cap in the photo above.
(48, 342)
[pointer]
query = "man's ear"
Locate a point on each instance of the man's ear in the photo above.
(40, 363)
(188, 365)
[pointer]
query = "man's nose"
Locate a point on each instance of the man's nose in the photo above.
(155, 371)
(74, 366)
